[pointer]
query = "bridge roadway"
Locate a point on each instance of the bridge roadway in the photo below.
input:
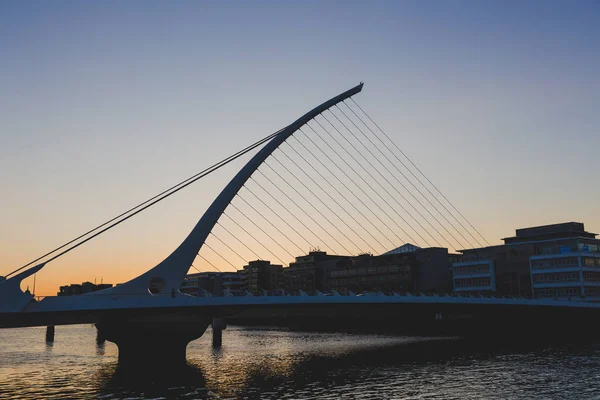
(65, 310)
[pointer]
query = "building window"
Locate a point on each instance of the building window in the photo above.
(591, 276)
(546, 292)
(472, 269)
(568, 292)
(592, 291)
(562, 277)
(588, 261)
(472, 282)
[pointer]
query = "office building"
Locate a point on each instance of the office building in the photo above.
(214, 283)
(407, 268)
(309, 273)
(557, 261)
(261, 275)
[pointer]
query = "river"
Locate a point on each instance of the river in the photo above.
(265, 363)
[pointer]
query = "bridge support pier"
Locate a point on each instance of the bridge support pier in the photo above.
(152, 344)
(50, 333)
(218, 325)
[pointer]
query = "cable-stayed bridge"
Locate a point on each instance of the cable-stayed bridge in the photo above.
(331, 180)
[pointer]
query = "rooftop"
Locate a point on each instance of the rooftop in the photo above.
(405, 248)
(553, 231)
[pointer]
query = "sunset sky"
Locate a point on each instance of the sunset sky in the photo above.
(105, 104)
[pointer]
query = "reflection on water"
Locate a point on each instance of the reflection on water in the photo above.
(182, 382)
(276, 364)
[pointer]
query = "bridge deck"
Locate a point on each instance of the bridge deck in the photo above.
(89, 309)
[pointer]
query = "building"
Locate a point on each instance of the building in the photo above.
(214, 283)
(567, 266)
(558, 260)
(368, 273)
(309, 273)
(434, 269)
(85, 287)
(261, 275)
(408, 268)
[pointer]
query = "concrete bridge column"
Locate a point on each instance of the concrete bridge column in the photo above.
(218, 325)
(152, 343)
(50, 333)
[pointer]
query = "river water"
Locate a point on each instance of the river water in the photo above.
(263, 363)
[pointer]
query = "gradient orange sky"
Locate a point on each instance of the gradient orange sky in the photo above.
(104, 105)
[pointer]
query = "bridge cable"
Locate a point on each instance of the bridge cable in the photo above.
(323, 215)
(279, 216)
(338, 192)
(357, 185)
(351, 191)
(291, 213)
(417, 168)
(229, 247)
(407, 179)
(371, 187)
(236, 238)
(172, 190)
(401, 184)
(334, 200)
(386, 180)
(271, 223)
(217, 253)
(304, 198)
(211, 264)
(192, 265)
(263, 231)
(405, 188)
(299, 207)
(252, 236)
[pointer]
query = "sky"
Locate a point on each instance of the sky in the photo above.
(105, 104)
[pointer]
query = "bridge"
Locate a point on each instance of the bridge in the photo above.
(374, 197)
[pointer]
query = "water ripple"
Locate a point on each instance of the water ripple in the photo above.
(276, 364)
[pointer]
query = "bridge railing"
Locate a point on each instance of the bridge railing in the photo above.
(280, 293)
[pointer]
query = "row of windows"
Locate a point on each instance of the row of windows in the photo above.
(557, 248)
(472, 269)
(472, 282)
(570, 262)
(371, 270)
(572, 291)
(564, 277)
(588, 247)
(561, 292)
(547, 292)
(369, 280)
(566, 262)
(590, 261)
(567, 292)
(474, 257)
(553, 249)
(591, 276)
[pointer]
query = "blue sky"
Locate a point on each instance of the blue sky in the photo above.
(104, 104)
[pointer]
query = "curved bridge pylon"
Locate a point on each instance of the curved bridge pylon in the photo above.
(168, 275)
